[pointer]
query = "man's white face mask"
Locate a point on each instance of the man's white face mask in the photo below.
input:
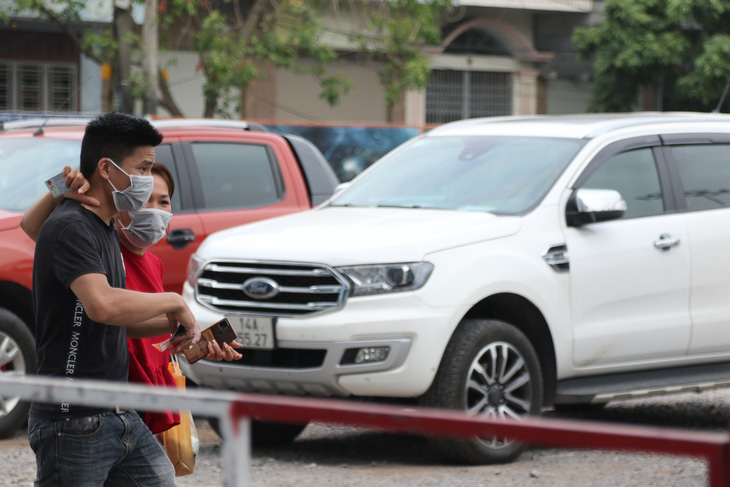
(136, 196)
(148, 226)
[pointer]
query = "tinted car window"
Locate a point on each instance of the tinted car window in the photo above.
(705, 174)
(25, 164)
(235, 175)
(634, 175)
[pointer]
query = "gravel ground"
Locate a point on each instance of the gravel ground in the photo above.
(340, 456)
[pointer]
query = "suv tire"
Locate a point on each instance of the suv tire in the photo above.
(17, 357)
(489, 368)
(267, 433)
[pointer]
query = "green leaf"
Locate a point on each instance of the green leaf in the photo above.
(679, 45)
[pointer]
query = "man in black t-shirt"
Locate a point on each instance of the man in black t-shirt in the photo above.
(84, 314)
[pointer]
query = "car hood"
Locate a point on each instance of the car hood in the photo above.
(348, 236)
(9, 220)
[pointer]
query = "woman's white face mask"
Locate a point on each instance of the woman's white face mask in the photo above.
(136, 196)
(148, 226)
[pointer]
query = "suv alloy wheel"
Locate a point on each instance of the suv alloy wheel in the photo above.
(490, 368)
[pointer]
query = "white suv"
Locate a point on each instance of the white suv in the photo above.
(494, 265)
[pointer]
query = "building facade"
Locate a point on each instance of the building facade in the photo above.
(498, 57)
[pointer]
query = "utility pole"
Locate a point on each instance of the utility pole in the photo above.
(149, 65)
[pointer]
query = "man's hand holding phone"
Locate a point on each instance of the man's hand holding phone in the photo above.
(177, 340)
(180, 337)
(190, 330)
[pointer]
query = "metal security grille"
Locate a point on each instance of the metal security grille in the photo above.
(29, 84)
(61, 87)
(38, 87)
(303, 289)
(455, 95)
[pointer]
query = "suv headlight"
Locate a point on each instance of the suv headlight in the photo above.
(195, 265)
(386, 278)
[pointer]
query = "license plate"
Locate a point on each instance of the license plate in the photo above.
(255, 332)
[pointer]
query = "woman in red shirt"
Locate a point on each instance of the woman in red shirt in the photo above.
(137, 232)
(144, 273)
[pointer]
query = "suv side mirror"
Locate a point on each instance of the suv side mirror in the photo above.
(594, 205)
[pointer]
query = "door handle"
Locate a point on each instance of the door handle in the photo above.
(180, 237)
(666, 242)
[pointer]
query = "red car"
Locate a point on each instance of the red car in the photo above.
(227, 173)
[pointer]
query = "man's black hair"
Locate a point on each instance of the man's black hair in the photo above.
(116, 136)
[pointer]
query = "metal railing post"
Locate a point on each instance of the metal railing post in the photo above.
(236, 452)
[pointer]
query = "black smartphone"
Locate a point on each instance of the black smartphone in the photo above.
(221, 332)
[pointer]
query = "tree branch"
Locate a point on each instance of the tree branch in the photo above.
(239, 15)
(255, 13)
(63, 25)
(167, 101)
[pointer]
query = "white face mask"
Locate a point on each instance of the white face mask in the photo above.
(136, 196)
(148, 226)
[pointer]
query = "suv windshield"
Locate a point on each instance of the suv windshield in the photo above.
(497, 174)
(26, 163)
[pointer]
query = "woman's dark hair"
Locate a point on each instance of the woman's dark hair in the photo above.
(116, 136)
(162, 171)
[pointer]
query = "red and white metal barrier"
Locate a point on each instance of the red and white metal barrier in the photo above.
(234, 410)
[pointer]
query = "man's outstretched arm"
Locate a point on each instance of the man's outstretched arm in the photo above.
(120, 307)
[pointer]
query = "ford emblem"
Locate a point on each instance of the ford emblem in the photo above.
(260, 288)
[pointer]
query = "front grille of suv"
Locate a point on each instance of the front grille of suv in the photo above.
(303, 289)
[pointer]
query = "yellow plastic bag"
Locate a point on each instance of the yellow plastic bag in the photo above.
(181, 441)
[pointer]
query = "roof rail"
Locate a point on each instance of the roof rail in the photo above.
(172, 122)
(484, 120)
(638, 118)
(44, 122)
(207, 122)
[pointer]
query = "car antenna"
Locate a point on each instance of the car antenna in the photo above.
(39, 130)
(722, 99)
